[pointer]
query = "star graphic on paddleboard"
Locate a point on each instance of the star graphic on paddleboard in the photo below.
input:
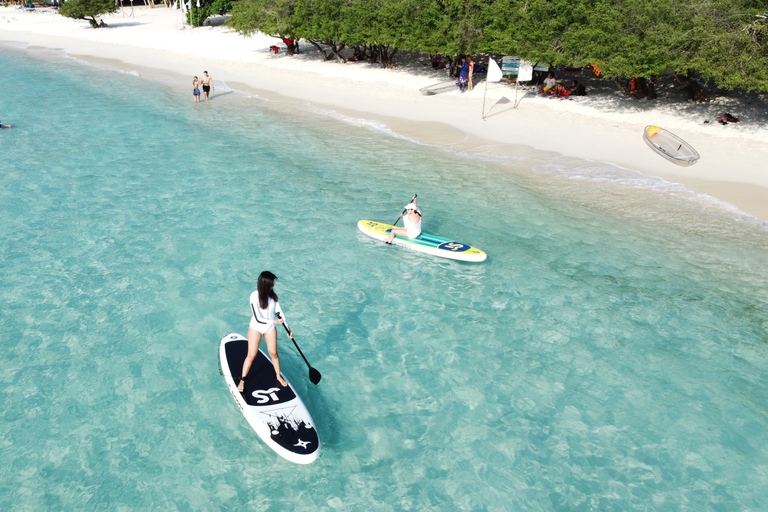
(301, 443)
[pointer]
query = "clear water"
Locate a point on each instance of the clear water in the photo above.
(611, 354)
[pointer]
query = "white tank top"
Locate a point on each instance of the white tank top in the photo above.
(412, 228)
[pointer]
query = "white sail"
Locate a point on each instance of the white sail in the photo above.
(494, 71)
(525, 72)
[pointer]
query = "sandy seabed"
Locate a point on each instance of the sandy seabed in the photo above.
(495, 118)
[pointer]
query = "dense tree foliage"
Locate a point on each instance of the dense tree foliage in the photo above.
(725, 41)
(196, 16)
(88, 10)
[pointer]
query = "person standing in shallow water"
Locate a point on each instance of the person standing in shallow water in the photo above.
(207, 82)
(264, 309)
(196, 89)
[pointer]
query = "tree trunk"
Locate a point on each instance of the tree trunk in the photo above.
(641, 88)
(620, 84)
(389, 63)
(316, 44)
(692, 89)
(637, 87)
(371, 55)
(651, 89)
(337, 48)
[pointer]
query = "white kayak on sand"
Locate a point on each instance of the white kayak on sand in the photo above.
(670, 146)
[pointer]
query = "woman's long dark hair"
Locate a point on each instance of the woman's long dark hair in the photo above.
(266, 283)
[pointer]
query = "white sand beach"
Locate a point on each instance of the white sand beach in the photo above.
(603, 126)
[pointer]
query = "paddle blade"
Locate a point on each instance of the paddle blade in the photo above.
(314, 376)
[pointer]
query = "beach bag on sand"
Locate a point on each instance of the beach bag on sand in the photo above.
(727, 118)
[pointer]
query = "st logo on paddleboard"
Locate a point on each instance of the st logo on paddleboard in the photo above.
(263, 397)
(453, 246)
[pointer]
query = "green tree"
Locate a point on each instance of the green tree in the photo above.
(725, 41)
(449, 27)
(383, 27)
(88, 10)
(721, 40)
(325, 24)
(273, 17)
(197, 16)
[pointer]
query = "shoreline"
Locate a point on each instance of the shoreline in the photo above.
(155, 43)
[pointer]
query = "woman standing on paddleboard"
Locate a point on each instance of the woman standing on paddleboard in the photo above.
(411, 220)
(264, 308)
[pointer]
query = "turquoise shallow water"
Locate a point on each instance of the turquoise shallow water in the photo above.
(611, 354)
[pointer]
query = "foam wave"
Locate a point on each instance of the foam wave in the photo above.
(562, 167)
(361, 122)
(576, 169)
(223, 87)
(19, 45)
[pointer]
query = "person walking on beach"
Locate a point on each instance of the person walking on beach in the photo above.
(207, 82)
(264, 309)
(196, 89)
(411, 221)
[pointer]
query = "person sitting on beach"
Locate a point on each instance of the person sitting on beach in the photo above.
(6, 125)
(548, 84)
(412, 222)
(559, 90)
(446, 64)
(578, 89)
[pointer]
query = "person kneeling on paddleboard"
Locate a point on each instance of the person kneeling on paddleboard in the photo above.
(411, 220)
(264, 308)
